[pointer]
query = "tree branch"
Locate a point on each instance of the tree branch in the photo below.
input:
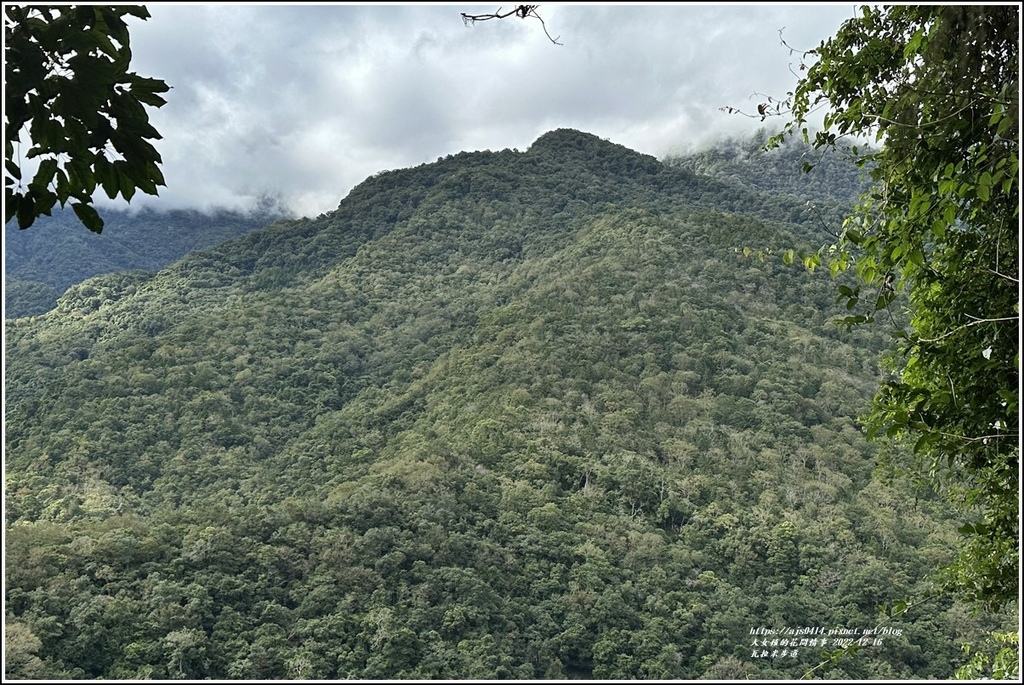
(974, 322)
(521, 11)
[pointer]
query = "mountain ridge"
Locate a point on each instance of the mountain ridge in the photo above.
(35, 267)
(506, 415)
(58, 252)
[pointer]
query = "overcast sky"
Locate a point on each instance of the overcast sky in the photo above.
(304, 102)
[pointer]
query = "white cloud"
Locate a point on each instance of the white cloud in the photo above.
(307, 101)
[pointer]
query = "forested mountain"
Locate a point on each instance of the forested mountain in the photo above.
(506, 415)
(824, 184)
(780, 171)
(58, 252)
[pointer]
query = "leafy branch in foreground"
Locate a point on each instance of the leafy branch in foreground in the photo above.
(67, 85)
(936, 88)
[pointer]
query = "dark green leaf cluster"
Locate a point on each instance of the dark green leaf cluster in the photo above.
(67, 85)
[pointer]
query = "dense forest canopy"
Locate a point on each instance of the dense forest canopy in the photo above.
(505, 415)
(530, 415)
(40, 264)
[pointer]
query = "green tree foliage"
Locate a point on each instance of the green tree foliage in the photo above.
(20, 647)
(27, 298)
(67, 86)
(507, 415)
(937, 88)
(43, 263)
(1003, 664)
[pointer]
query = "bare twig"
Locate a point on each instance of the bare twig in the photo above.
(521, 11)
(1003, 276)
(974, 322)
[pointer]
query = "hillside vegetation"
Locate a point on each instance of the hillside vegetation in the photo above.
(57, 252)
(506, 415)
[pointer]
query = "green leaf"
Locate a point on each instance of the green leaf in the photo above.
(44, 174)
(145, 90)
(853, 320)
(63, 187)
(924, 442)
(107, 176)
(25, 209)
(126, 186)
(88, 216)
(11, 202)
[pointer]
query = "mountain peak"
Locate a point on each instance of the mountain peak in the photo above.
(566, 136)
(568, 143)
